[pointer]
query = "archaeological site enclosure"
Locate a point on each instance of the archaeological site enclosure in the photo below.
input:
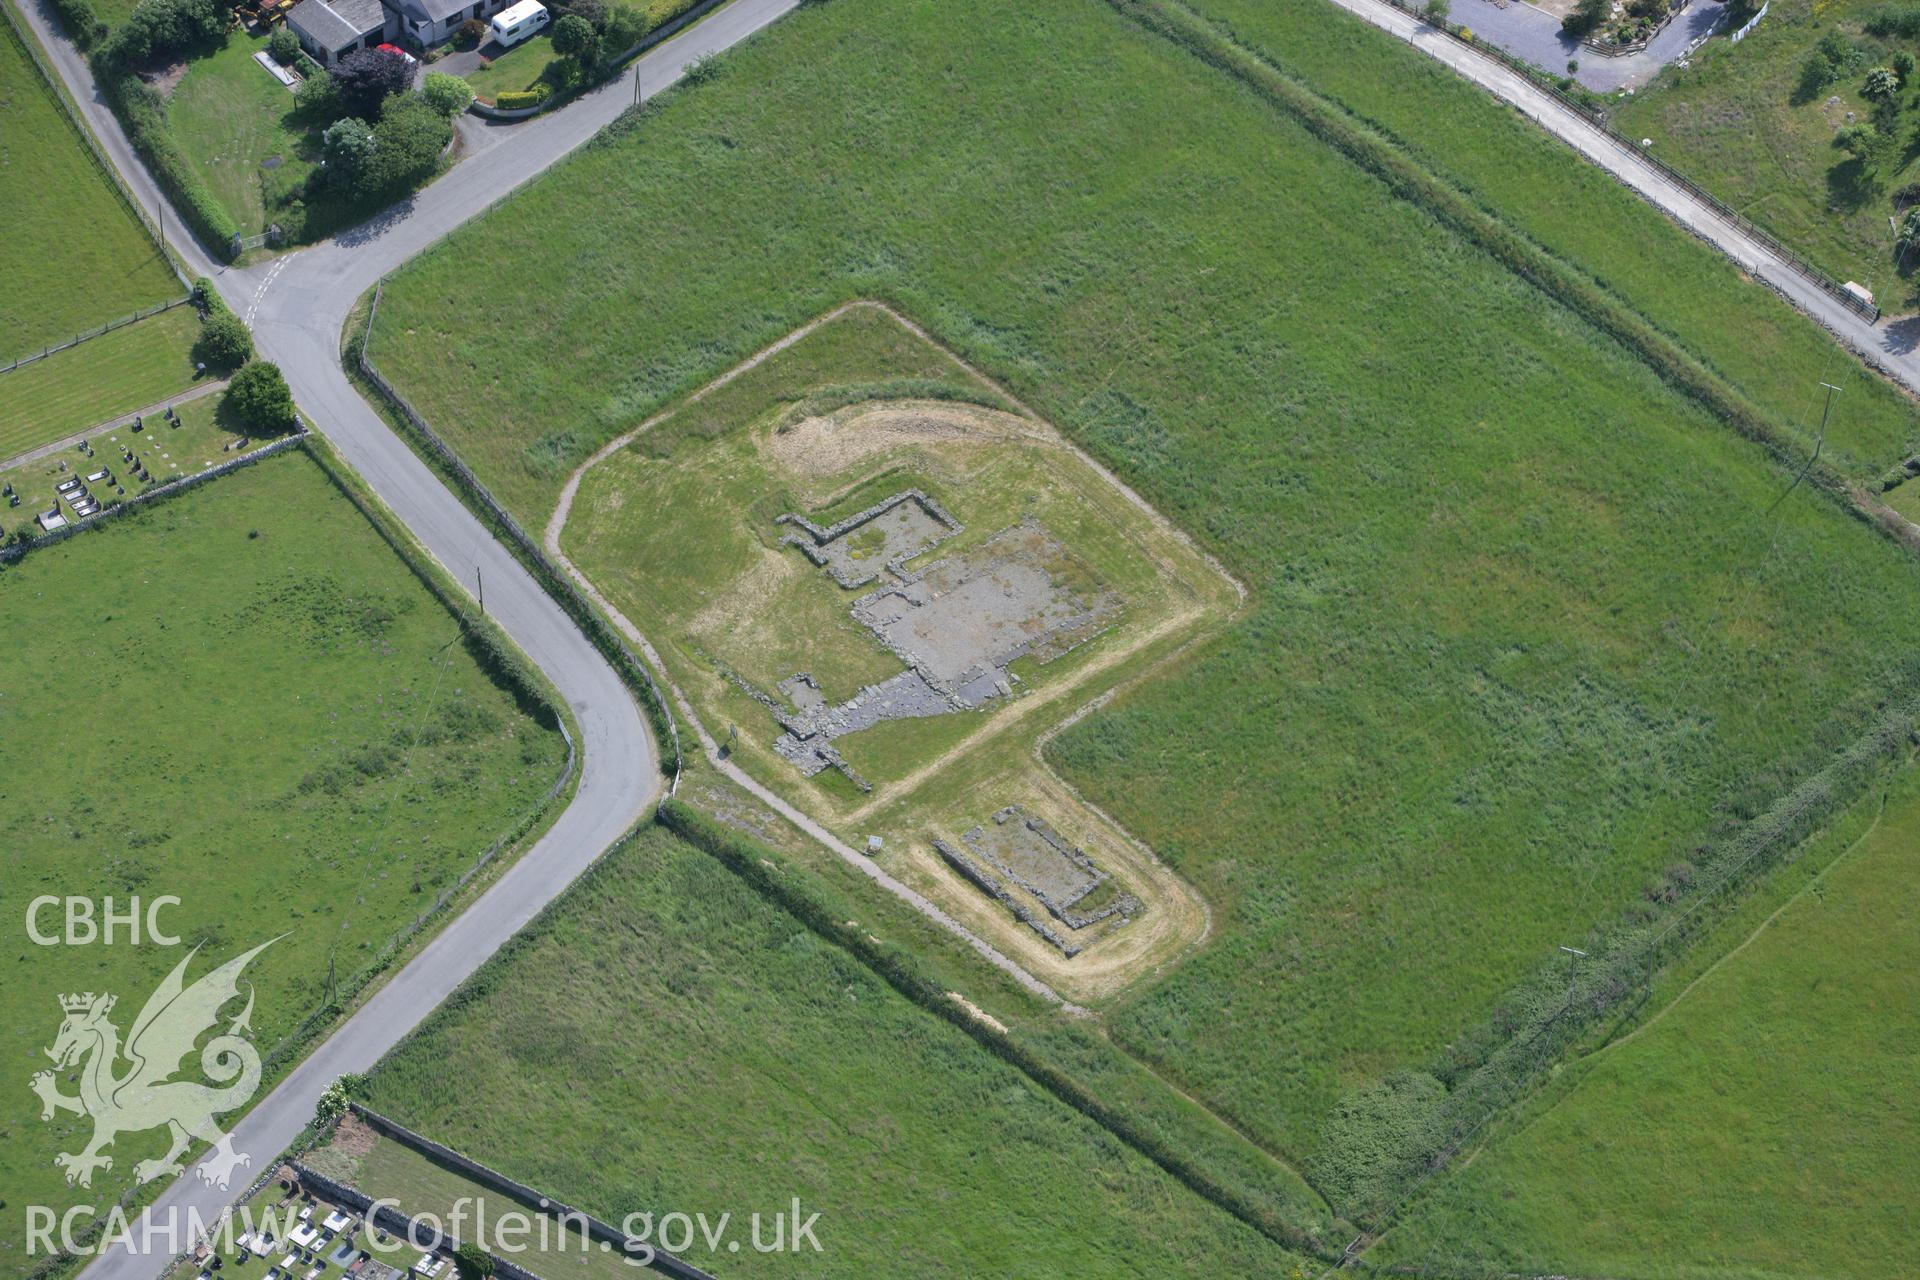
(883, 584)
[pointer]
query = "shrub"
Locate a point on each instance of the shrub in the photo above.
(1882, 85)
(472, 1262)
(318, 100)
(521, 99)
(449, 95)
(366, 78)
(163, 28)
(82, 23)
(1857, 140)
(258, 396)
(1902, 63)
(702, 70)
(1896, 22)
(1586, 15)
(1437, 11)
(1375, 1138)
(224, 342)
(472, 32)
(283, 45)
(594, 11)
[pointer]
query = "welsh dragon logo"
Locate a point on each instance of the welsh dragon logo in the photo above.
(144, 1094)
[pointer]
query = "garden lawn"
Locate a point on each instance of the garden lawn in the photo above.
(101, 379)
(1765, 1124)
(1524, 623)
(231, 118)
(774, 1065)
(520, 67)
(1736, 122)
(239, 696)
(74, 255)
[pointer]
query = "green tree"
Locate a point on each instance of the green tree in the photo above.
(284, 46)
(1882, 85)
(449, 95)
(1903, 67)
(259, 398)
(407, 142)
(1437, 11)
(224, 342)
(161, 28)
(346, 148)
(574, 37)
(1585, 16)
(472, 1262)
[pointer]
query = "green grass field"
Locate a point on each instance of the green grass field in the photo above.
(1737, 122)
(1522, 630)
(99, 380)
(1766, 1124)
(242, 697)
(231, 119)
(74, 256)
(772, 1065)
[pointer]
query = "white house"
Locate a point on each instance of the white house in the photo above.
(330, 29)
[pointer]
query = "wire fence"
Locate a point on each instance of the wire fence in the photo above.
(1597, 117)
(54, 348)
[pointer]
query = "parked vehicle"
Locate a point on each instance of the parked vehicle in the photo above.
(520, 22)
(398, 52)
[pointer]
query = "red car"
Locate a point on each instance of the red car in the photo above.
(398, 52)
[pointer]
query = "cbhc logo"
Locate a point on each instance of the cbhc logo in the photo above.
(84, 926)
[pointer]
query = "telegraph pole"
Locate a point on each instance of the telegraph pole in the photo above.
(1574, 955)
(480, 583)
(1819, 443)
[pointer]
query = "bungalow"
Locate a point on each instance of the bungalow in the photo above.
(331, 29)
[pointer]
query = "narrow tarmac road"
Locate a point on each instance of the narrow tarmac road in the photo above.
(297, 305)
(1889, 345)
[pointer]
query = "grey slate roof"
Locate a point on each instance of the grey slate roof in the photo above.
(334, 24)
(430, 10)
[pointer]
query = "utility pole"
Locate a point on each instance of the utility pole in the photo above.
(481, 584)
(1819, 443)
(1574, 955)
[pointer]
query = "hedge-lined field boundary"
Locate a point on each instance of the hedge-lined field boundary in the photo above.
(758, 865)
